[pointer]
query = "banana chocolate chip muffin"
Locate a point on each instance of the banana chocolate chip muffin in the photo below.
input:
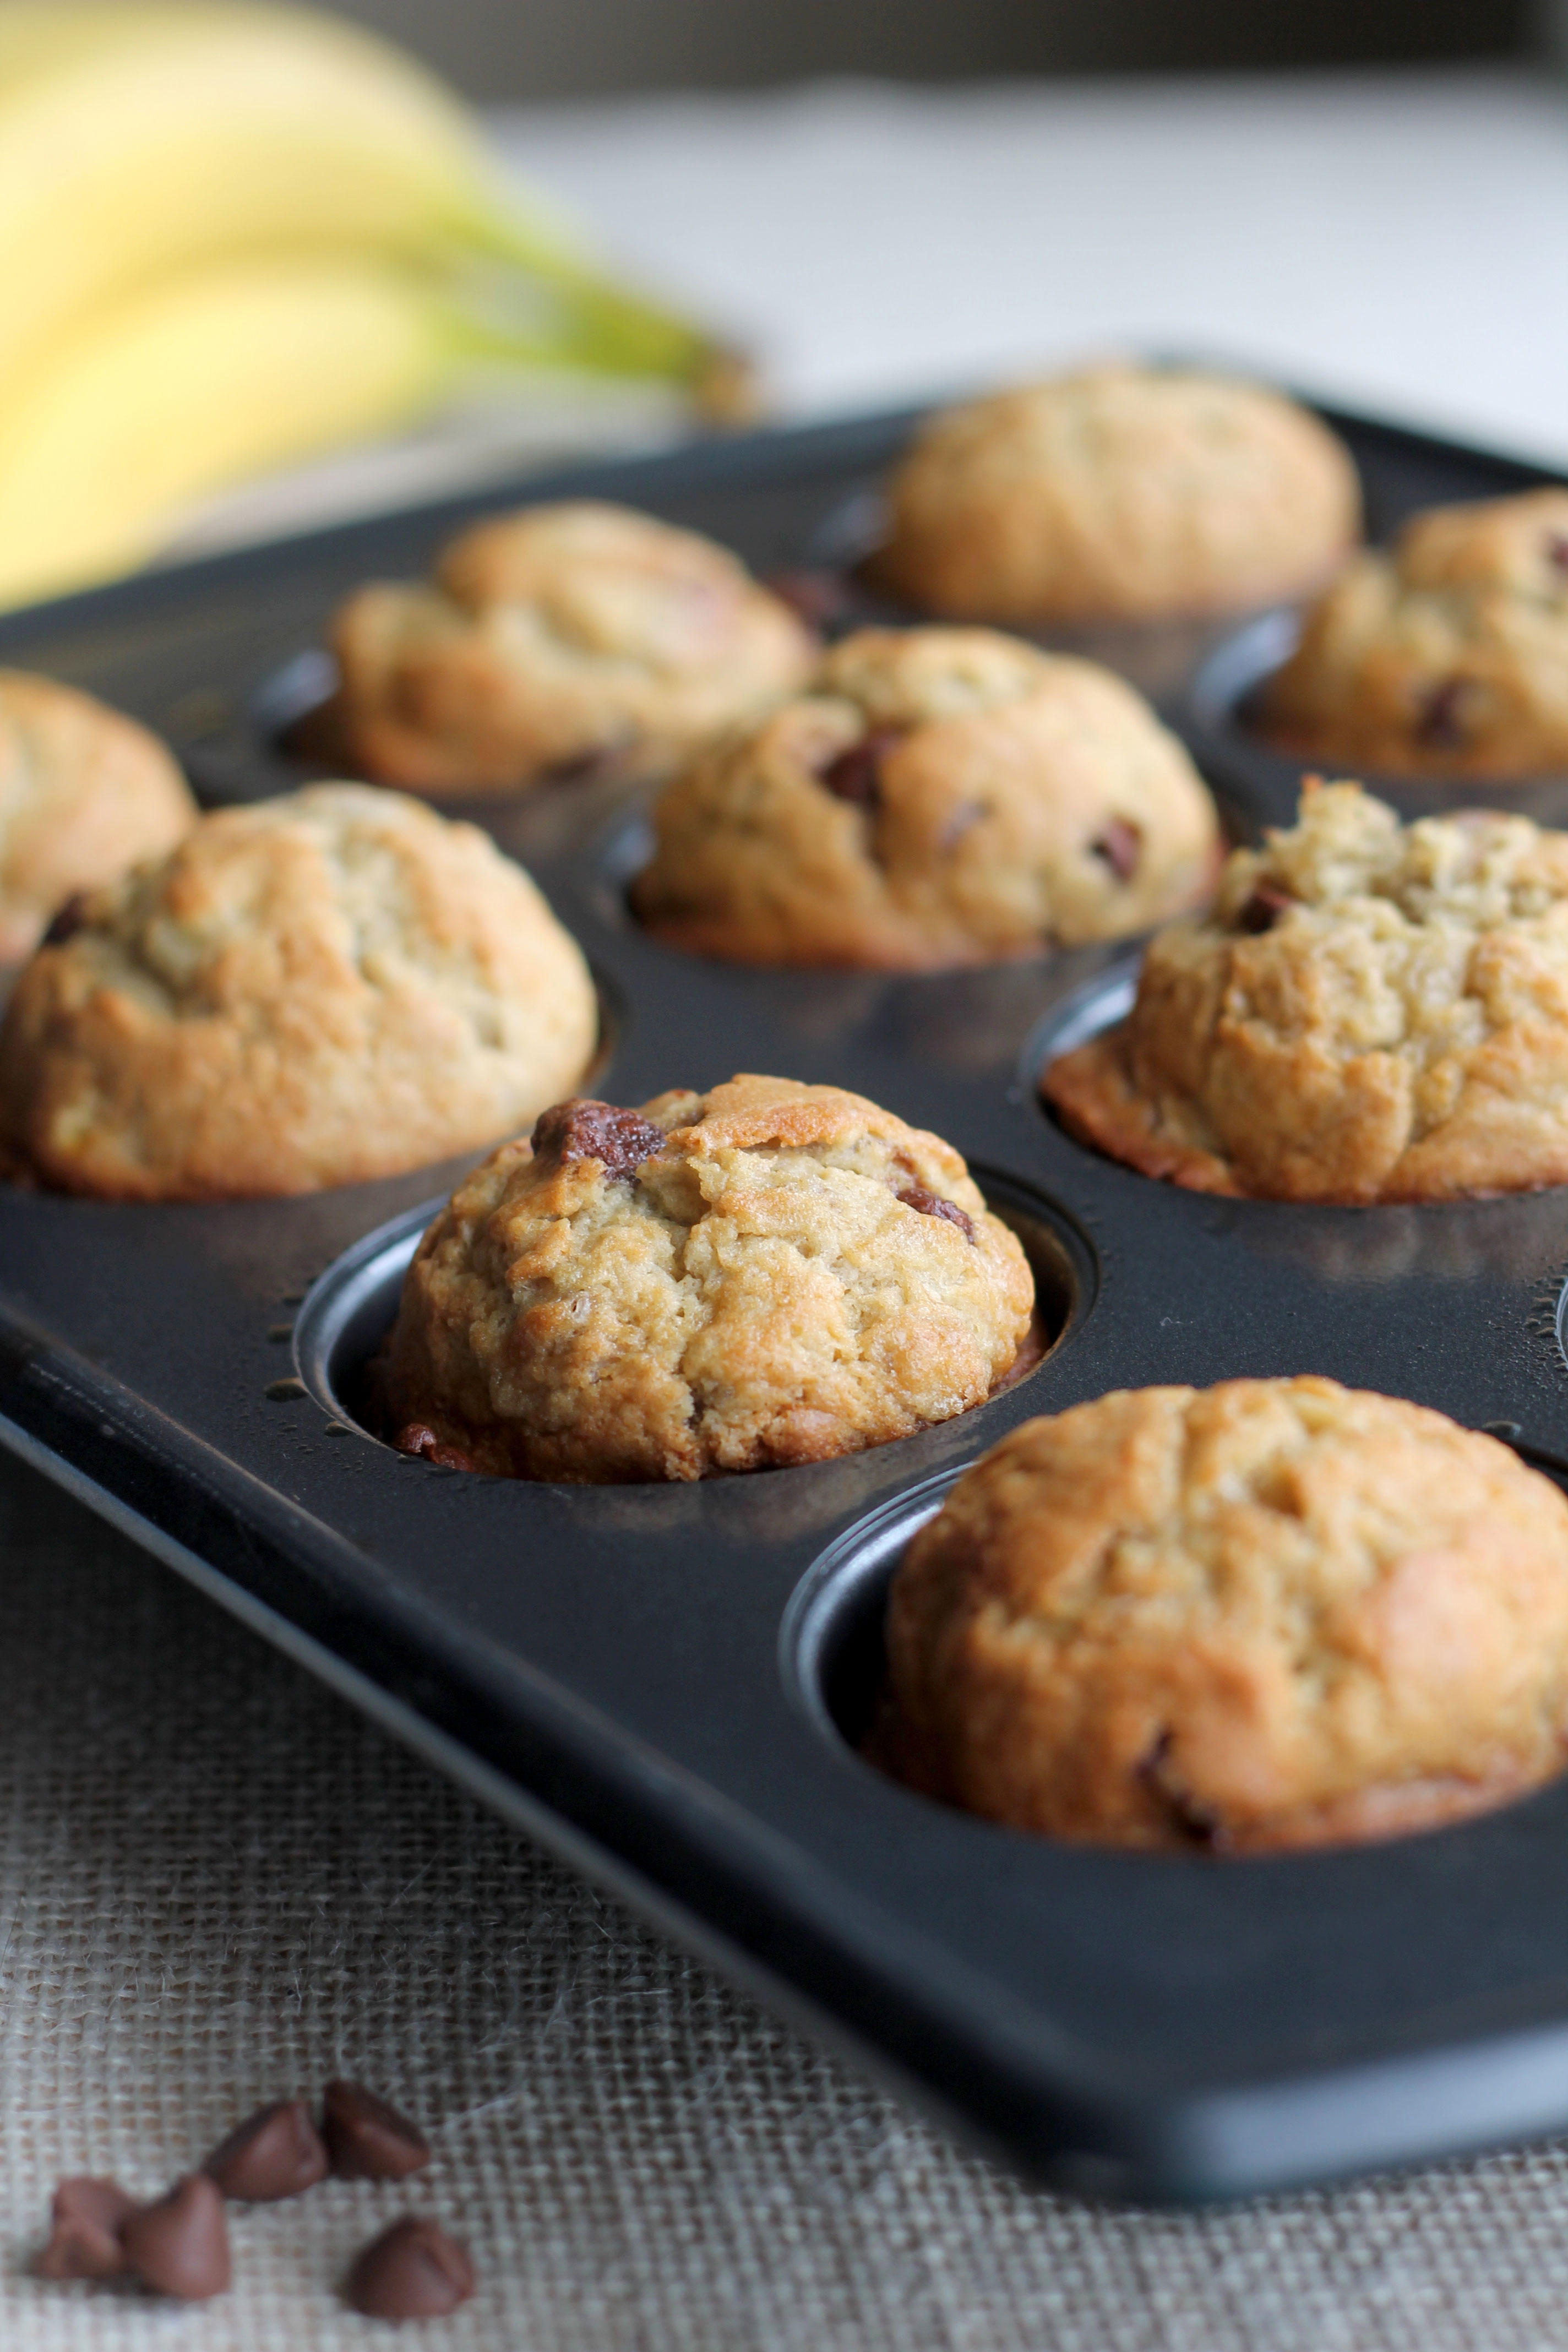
(1446, 658)
(1372, 1012)
(940, 797)
(767, 1273)
(311, 991)
(1118, 494)
(559, 641)
(84, 794)
(1269, 1614)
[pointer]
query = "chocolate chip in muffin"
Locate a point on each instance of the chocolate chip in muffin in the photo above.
(1438, 724)
(931, 1204)
(1122, 846)
(586, 1130)
(855, 774)
(1263, 908)
(419, 1441)
(67, 920)
(1557, 550)
(1198, 1823)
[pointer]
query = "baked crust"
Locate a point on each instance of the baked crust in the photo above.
(1371, 1012)
(311, 991)
(1118, 494)
(85, 793)
(769, 1274)
(1269, 1614)
(1446, 658)
(941, 797)
(580, 638)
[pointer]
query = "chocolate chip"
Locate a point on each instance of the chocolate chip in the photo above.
(931, 1204)
(1557, 550)
(368, 2140)
(275, 2153)
(1438, 723)
(85, 2221)
(179, 2245)
(68, 920)
(1263, 909)
(856, 775)
(585, 1129)
(1196, 1823)
(1122, 846)
(413, 2271)
(419, 1439)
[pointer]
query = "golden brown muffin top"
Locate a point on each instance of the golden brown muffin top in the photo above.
(1270, 1614)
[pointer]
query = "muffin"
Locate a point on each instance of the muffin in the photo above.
(1446, 658)
(311, 991)
(1269, 1614)
(559, 641)
(941, 796)
(84, 794)
(768, 1274)
(1118, 494)
(1372, 1012)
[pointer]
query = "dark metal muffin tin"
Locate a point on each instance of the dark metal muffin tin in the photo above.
(665, 1683)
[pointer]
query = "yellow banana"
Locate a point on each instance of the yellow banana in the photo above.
(224, 374)
(140, 140)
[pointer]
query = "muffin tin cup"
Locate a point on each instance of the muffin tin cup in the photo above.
(670, 1684)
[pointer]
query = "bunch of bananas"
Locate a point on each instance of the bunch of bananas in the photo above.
(239, 234)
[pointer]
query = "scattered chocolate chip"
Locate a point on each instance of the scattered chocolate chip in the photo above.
(1197, 1823)
(931, 1204)
(179, 2245)
(419, 1439)
(583, 767)
(821, 599)
(1122, 846)
(585, 1129)
(1263, 909)
(85, 2221)
(368, 2140)
(276, 2152)
(68, 920)
(1438, 723)
(413, 2271)
(856, 775)
(1557, 550)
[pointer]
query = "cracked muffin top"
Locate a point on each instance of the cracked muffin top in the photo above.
(768, 1274)
(1118, 494)
(311, 991)
(559, 642)
(939, 797)
(1446, 658)
(1372, 1012)
(84, 794)
(1267, 1615)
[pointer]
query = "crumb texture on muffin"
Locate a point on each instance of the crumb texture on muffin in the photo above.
(1267, 1615)
(85, 793)
(558, 641)
(311, 991)
(1372, 1012)
(1118, 494)
(768, 1274)
(940, 797)
(1448, 656)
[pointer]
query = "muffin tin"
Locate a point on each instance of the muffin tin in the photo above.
(667, 1684)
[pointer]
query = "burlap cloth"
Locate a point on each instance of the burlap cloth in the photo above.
(218, 1887)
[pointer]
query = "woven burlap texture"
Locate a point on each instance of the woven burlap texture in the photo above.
(218, 1887)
